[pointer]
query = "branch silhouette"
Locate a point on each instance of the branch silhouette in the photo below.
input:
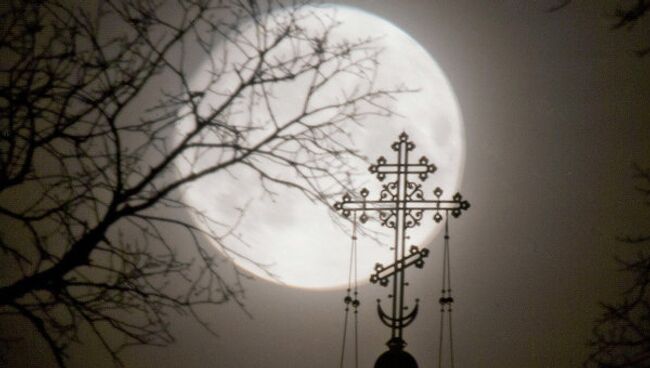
(621, 336)
(626, 15)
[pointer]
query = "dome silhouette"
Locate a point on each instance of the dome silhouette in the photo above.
(396, 357)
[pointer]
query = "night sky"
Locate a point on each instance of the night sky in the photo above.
(556, 111)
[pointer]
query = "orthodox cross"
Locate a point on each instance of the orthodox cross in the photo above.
(401, 205)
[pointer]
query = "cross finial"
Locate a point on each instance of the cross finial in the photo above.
(401, 205)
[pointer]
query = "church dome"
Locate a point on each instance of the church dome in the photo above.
(396, 358)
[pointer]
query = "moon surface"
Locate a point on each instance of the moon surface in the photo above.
(294, 239)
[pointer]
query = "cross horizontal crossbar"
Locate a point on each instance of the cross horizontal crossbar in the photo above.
(378, 205)
(406, 169)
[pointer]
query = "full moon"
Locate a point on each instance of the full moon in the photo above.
(288, 239)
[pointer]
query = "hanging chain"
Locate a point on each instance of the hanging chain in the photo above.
(355, 302)
(446, 300)
(351, 299)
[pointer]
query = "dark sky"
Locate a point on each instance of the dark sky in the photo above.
(555, 110)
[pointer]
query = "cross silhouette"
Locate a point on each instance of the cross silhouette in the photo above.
(401, 205)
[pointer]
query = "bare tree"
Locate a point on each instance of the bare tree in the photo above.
(621, 336)
(102, 127)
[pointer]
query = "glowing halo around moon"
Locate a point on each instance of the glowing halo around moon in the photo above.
(297, 239)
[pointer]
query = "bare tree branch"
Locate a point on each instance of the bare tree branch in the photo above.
(621, 336)
(626, 15)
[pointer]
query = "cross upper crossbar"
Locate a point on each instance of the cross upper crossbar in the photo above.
(423, 169)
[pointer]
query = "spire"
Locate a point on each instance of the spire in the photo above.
(401, 206)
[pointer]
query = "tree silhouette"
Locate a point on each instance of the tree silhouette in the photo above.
(621, 336)
(101, 129)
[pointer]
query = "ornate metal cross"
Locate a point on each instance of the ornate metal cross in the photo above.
(401, 206)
